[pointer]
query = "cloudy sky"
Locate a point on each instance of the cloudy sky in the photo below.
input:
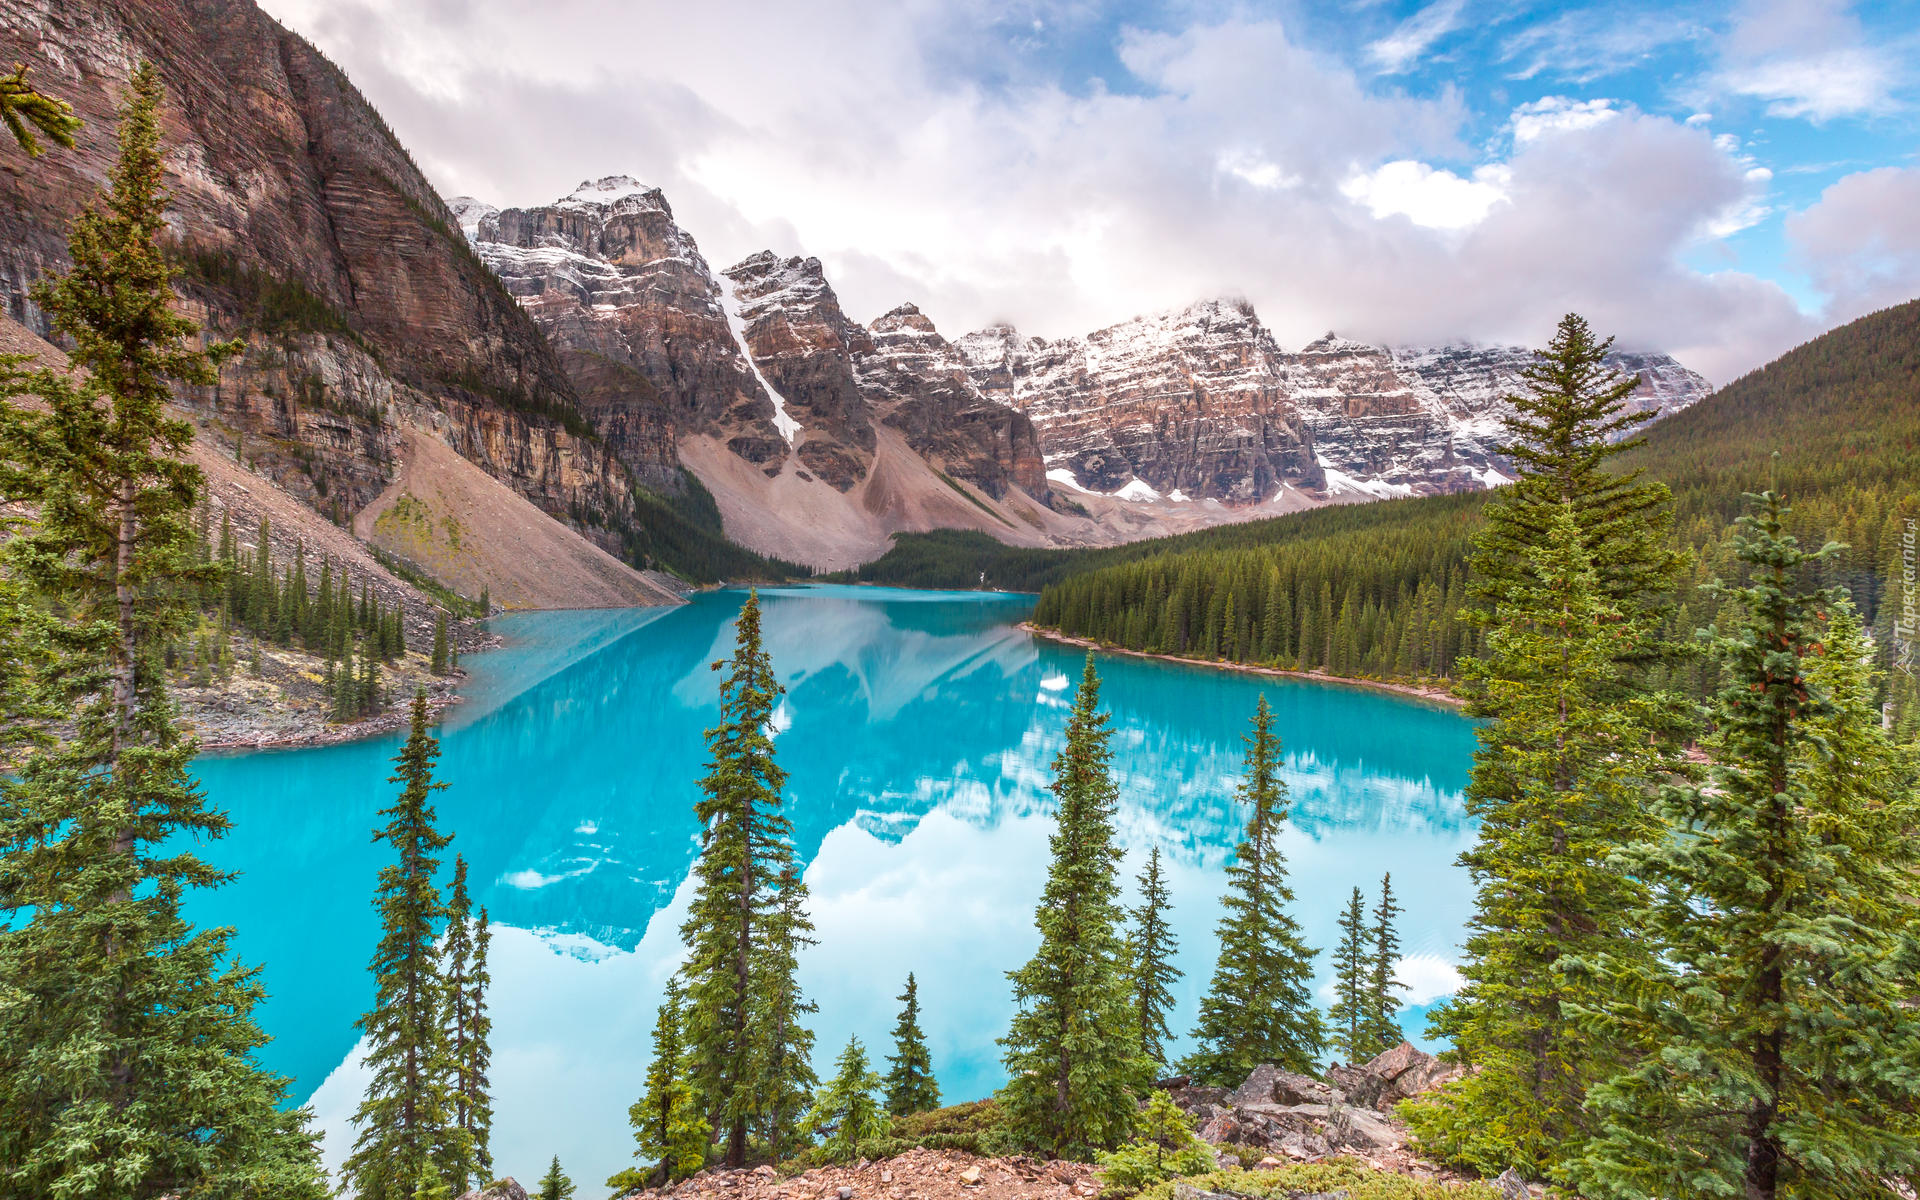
(1719, 180)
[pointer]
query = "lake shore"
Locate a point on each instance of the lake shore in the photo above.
(283, 703)
(1431, 695)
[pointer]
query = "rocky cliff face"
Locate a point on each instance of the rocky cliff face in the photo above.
(917, 382)
(761, 357)
(1193, 402)
(1203, 404)
(625, 296)
(803, 346)
(305, 225)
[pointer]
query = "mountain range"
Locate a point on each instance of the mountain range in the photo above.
(583, 356)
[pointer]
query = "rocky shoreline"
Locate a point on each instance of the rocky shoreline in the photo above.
(283, 704)
(1432, 695)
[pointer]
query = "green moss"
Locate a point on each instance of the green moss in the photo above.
(976, 1128)
(1356, 1180)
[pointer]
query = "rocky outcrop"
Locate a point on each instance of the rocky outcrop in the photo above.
(916, 381)
(1192, 402)
(640, 322)
(1468, 384)
(804, 346)
(1204, 404)
(1373, 431)
(304, 225)
(1298, 1117)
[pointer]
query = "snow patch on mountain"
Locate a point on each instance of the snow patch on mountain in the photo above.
(782, 419)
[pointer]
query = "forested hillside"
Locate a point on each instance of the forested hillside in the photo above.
(1370, 591)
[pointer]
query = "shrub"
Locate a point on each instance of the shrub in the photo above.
(1344, 1176)
(977, 1127)
(1164, 1145)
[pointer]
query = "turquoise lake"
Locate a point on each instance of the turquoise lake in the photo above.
(917, 727)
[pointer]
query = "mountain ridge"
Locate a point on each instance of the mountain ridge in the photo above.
(1191, 416)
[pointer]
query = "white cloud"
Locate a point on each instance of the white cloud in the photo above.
(1416, 35)
(1558, 114)
(1428, 977)
(1255, 171)
(1835, 83)
(1436, 199)
(1230, 164)
(1594, 43)
(1861, 240)
(1807, 58)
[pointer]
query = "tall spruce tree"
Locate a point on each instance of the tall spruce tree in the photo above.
(463, 954)
(408, 1129)
(127, 1038)
(1151, 947)
(1259, 1007)
(1560, 783)
(910, 1084)
(1383, 1030)
(746, 1047)
(1348, 1017)
(784, 1059)
(668, 1130)
(1567, 426)
(1075, 1071)
(1574, 576)
(1784, 1041)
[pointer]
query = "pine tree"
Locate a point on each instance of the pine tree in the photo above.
(846, 1112)
(1383, 1030)
(406, 1120)
(463, 954)
(910, 1084)
(1259, 1007)
(439, 662)
(1073, 1053)
(127, 1038)
(1151, 947)
(1567, 425)
(1574, 577)
(1778, 1009)
(745, 1046)
(554, 1185)
(667, 1127)
(784, 1058)
(1559, 784)
(1350, 976)
(22, 106)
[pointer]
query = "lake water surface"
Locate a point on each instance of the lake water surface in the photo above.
(917, 727)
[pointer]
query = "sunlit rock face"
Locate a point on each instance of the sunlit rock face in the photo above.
(1204, 403)
(637, 315)
(916, 381)
(1193, 401)
(804, 346)
(303, 223)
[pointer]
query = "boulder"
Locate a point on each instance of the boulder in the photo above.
(1268, 1084)
(1406, 1071)
(1510, 1186)
(1361, 1086)
(500, 1189)
(1194, 1100)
